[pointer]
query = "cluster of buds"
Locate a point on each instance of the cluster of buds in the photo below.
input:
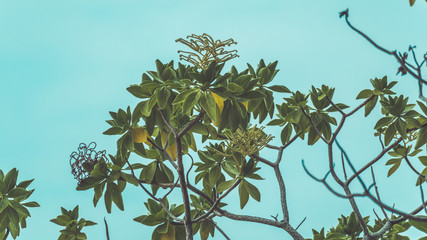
(206, 50)
(248, 142)
(83, 160)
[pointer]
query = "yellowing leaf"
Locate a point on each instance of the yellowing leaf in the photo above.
(139, 135)
(170, 235)
(171, 150)
(193, 145)
(218, 100)
(164, 137)
(205, 234)
(411, 2)
(246, 105)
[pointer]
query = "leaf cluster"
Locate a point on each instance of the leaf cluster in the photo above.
(73, 225)
(13, 209)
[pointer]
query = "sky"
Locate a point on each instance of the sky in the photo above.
(65, 64)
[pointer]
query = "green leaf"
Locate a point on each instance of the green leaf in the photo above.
(389, 133)
(113, 131)
(129, 178)
(89, 223)
(279, 88)
(25, 184)
(150, 171)
(4, 203)
(243, 194)
(253, 191)
(19, 208)
(383, 122)
(265, 75)
(422, 226)
(10, 179)
(393, 169)
(208, 104)
(401, 127)
(183, 95)
(2, 187)
(162, 97)
(275, 122)
(179, 210)
(190, 101)
(234, 88)
(116, 196)
(364, 94)
(252, 95)
(17, 192)
(423, 160)
(31, 204)
(370, 105)
(422, 137)
(137, 91)
(99, 189)
(108, 198)
(225, 185)
(13, 222)
(285, 135)
(423, 107)
(214, 175)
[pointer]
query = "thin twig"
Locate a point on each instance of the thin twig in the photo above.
(106, 229)
(300, 223)
(422, 197)
(7, 233)
(219, 229)
(377, 192)
(313, 125)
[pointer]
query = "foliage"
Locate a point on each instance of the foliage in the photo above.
(13, 209)
(177, 104)
(349, 228)
(73, 226)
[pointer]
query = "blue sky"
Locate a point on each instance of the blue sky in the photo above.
(64, 65)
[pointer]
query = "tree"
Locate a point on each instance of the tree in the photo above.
(183, 105)
(180, 105)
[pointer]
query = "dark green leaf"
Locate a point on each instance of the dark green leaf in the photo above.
(383, 122)
(370, 105)
(389, 134)
(243, 194)
(10, 179)
(422, 137)
(422, 226)
(364, 94)
(279, 88)
(17, 192)
(208, 104)
(108, 198)
(25, 184)
(116, 196)
(31, 204)
(253, 191)
(225, 185)
(252, 95)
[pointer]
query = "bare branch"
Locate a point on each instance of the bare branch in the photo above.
(401, 58)
(360, 106)
(378, 157)
(106, 229)
(300, 223)
(219, 229)
(377, 192)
